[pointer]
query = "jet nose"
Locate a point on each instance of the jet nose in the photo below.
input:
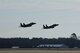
(33, 23)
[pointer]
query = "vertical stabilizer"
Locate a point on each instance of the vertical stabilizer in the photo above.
(43, 26)
(21, 24)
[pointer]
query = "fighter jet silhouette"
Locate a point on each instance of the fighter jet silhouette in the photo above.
(49, 27)
(27, 25)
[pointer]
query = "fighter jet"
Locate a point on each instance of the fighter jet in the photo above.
(49, 27)
(27, 25)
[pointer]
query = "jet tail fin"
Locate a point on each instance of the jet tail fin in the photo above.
(43, 26)
(21, 24)
(24, 24)
(46, 26)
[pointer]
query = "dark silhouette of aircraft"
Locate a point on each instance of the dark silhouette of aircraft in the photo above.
(27, 25)
(49, 27)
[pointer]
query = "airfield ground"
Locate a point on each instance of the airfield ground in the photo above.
(37, 51)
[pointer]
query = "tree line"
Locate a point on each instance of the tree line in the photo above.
(32, 43)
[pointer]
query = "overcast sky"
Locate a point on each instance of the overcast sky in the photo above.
(66, 13)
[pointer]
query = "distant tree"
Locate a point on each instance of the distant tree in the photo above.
(74, 36)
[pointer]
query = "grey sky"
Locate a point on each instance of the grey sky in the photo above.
(64, 12)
